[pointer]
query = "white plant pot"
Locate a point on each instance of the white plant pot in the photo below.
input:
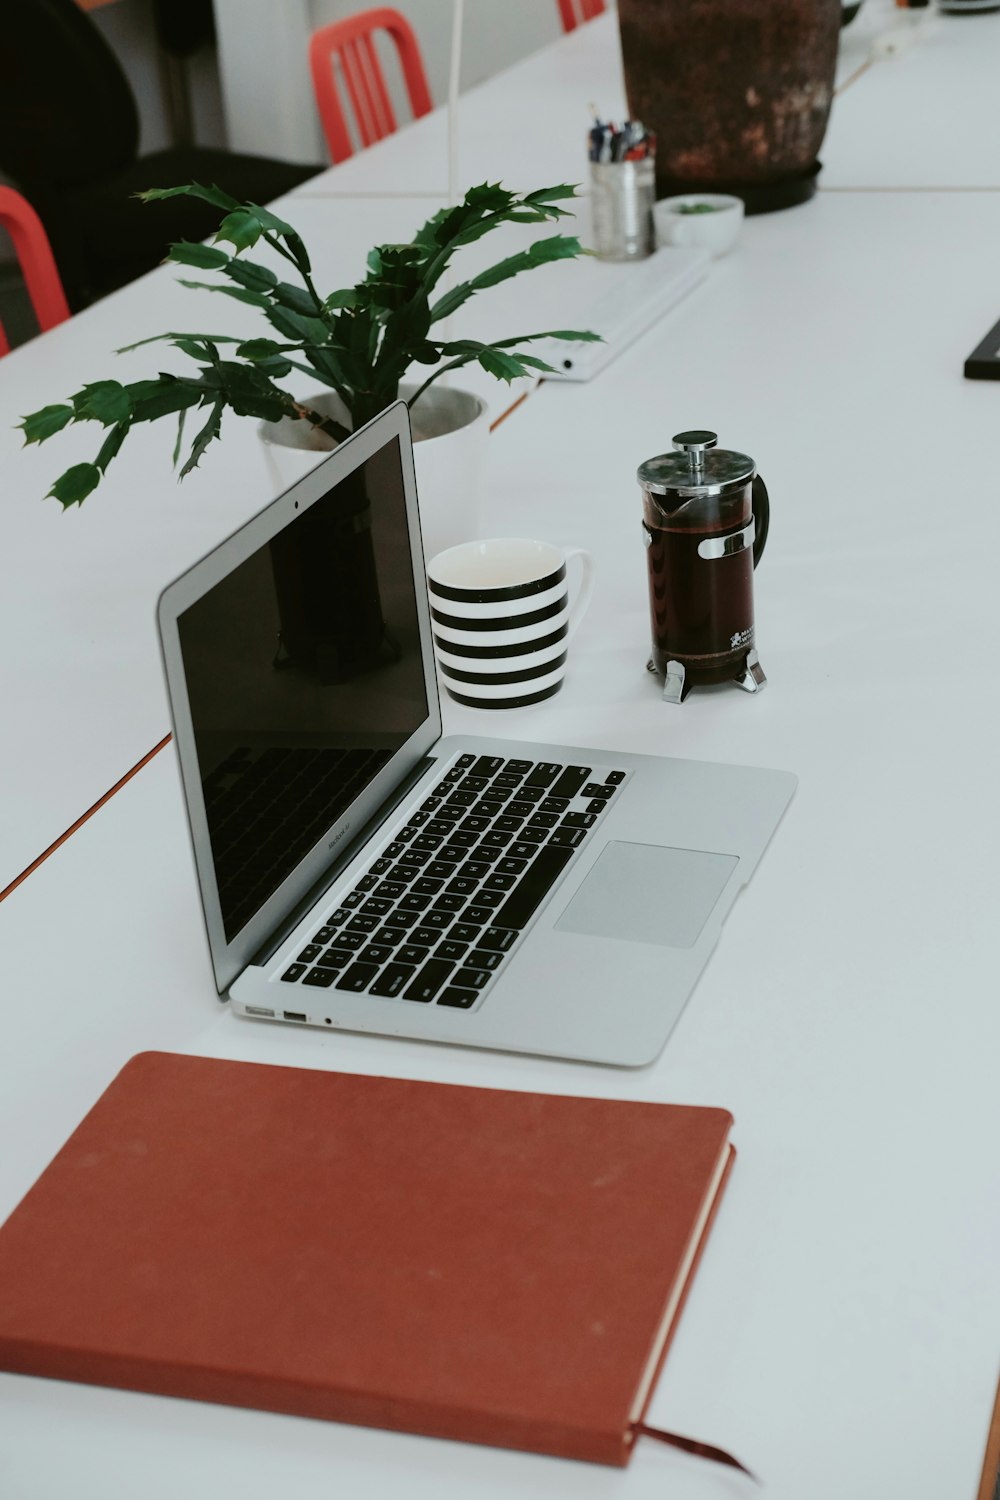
(450, 431)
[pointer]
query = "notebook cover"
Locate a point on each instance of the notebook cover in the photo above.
(468, 1263)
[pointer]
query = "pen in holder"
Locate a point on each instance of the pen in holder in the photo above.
(622, 191)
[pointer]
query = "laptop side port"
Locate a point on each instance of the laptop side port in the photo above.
(259, 1010)
(293, 1015)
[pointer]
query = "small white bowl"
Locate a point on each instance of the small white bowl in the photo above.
(716, 231)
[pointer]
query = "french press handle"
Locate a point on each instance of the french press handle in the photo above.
(761, 507)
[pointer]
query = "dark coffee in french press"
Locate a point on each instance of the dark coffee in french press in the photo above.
(705, 520)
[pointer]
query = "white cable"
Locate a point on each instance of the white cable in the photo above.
(453, 78)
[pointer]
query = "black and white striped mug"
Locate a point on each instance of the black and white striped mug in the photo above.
(502, 619)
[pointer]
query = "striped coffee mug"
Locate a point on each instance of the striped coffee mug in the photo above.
(502, 619)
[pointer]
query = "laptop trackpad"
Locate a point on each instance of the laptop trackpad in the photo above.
(649, 893)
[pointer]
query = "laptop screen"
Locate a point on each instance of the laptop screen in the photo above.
(304, 677)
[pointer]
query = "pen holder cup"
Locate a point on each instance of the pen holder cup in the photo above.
(622, 194)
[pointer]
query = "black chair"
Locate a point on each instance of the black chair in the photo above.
(69, 134)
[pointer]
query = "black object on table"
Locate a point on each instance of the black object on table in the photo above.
(984, 361)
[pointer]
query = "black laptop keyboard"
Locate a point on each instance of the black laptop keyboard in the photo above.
(437, 914)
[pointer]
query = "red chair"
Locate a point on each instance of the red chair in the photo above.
(347, 47)
(575, 12)
(35, 258)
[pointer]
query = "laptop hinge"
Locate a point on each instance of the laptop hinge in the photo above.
(343, 859)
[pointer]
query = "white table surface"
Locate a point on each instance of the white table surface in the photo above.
(841, 1334)
(923, 115)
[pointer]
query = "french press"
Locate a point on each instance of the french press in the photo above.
(705, 519)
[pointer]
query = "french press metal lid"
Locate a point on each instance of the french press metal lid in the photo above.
(696, 467)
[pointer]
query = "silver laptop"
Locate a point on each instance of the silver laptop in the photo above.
(359, 871)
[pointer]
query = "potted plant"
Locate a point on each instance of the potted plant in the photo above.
(358, 342)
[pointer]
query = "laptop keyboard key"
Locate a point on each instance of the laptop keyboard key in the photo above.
(471, 979)
(533, 887)
(568, 837)
(544, 774)
(570, 782)
(436, 919)
(310, 953)
(460, 999)
(390, 936)
(375, 953)
(482, 958)
(466, 932)
(320, 978)
(450, 949)
(357, 977)
(335, 958)
(487, 765)
(498, 938)
(293, 972)
(426, 936)
(614, 778)
(414, 903)
(364, 924)
(429, 980)
(410, 953)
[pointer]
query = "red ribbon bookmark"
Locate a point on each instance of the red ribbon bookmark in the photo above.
(700, 1450)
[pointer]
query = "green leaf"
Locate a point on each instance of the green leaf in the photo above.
(241, 293)
(73, 487)
(205, 257)
(156, 338)
(241, 228)
(295, 327)
(212, 195)
(503, 366)
(295, 298)
(555, 247)
(271, 221)
(42, 424)
(111, 445)
(257, 349)
(105, 401)
(346, 298)
(152, 399)
(210, 430)
(546, 195)
(249, 273)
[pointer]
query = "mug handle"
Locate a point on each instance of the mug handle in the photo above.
(586, 589)
(761, 506)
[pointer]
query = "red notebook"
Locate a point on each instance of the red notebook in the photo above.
(500, 1267)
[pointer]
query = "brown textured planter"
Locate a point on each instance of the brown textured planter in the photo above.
(737, 91)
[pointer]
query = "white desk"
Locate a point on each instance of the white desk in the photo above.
(841, 1333)
(847, 1017)
(923, 116)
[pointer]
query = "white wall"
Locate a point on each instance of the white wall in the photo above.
(267, 91)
